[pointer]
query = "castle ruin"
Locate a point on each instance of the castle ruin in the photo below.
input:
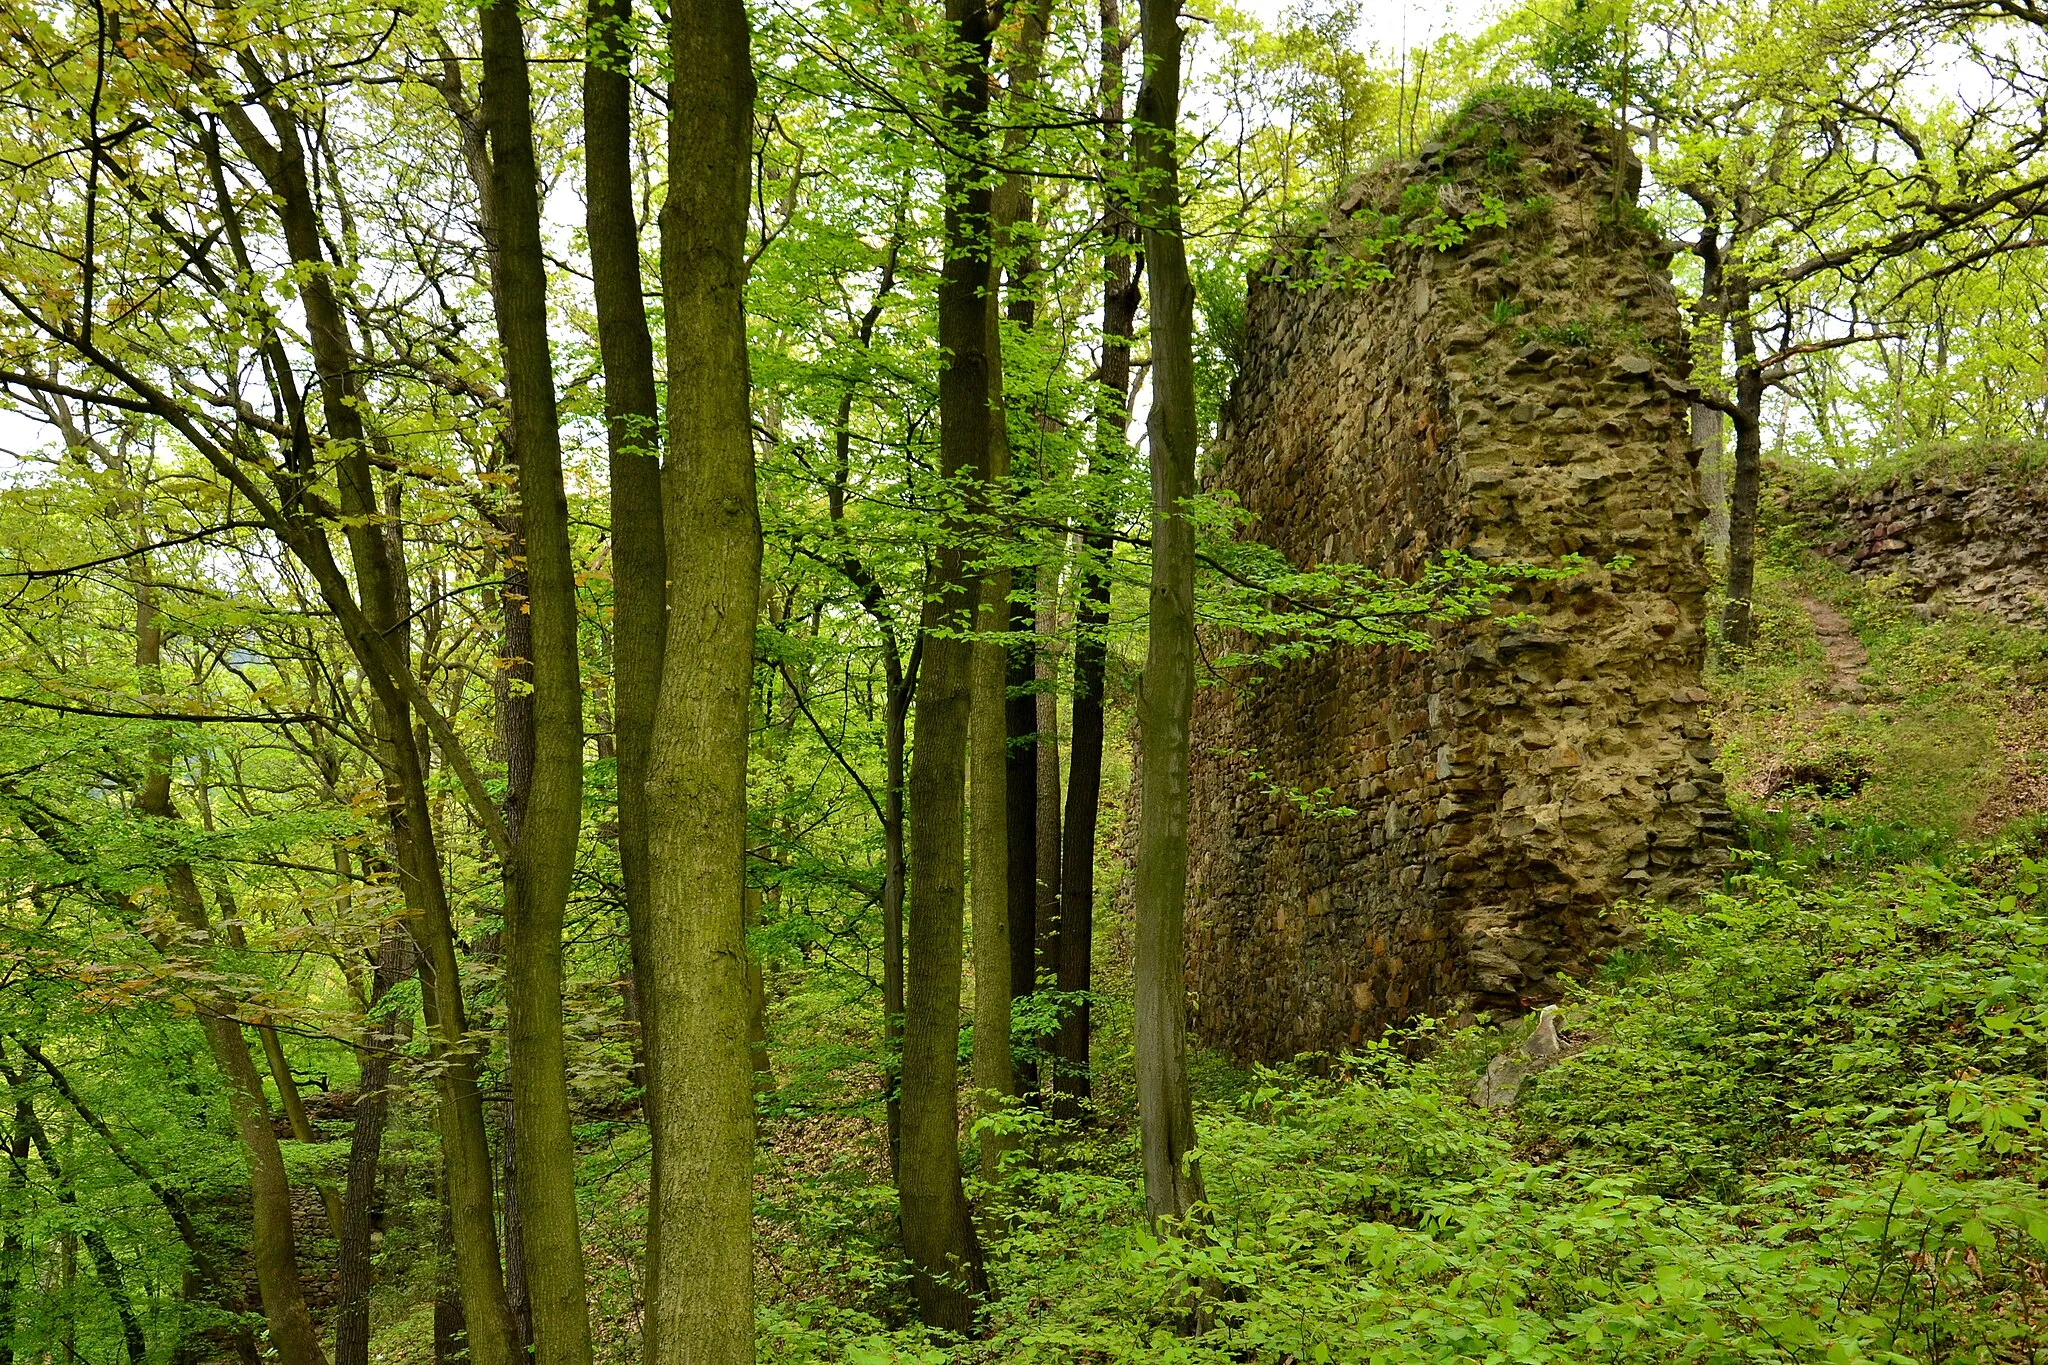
(1482, 352)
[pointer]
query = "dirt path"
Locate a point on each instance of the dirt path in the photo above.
(1846, 656)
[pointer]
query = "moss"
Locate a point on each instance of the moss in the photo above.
(1526, 108)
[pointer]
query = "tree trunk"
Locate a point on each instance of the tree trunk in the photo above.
(1020, 803)
(451, 1327)
(1015, 252)
(272, 1248)
(893, 877)
(700, 1296)
(544, 857)
(1045, 751)
(938, 1233)
(1173, 1183)
(995, 1082)
(1708, 440)
(295, 1112)
(633, 443)
(1737, 617)
(1076, 935)
(365, 1150)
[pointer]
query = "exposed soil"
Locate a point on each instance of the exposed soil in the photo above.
(1846, 656)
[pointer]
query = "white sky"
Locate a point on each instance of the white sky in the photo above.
(1392, 24)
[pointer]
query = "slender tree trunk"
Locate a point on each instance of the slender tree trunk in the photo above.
(633, 442)
(1710, 326)
(989, 779)
(365, 1150)
(995, 1082)
(1046, 787)
(295, 1113)
(893, 878)
(544, 858)
(273, 1247)
(1014, 250)
(700, 1301)
(1736, 613)
(1075, 944)
(938, 1233)
(1708, 439)
(1173, 1183)
(451, 1326)
(1020, 770)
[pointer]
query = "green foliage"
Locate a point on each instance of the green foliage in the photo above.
(1795, 1124)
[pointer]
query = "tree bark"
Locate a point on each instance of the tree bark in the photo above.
(1737, 615)
(894, 745)
(700, 1298)
(633, 444)
(995, 1083)
(295, 1112)
(1020, 801)
(1173, 1183)
(938, 1233)
(273, 1248)
(1075, 940)
(1045, 752)
(1708, 439)
(994, 1076)
(544, 857)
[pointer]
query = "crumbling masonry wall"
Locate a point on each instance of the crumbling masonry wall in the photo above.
(1516, 394)
(1966, 528)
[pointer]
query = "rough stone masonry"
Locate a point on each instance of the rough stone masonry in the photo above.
(1483, 351)
(1966, 527)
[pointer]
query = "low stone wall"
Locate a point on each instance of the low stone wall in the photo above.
(1969, 533)
(1513, 396)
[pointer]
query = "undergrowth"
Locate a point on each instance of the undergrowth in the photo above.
(1799, 1123)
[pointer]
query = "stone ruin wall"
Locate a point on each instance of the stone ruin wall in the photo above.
(1516, 780)
(1969, 533)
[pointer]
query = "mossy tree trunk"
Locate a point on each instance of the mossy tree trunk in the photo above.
(633, 446)
(700, 1294)
(544, 855)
